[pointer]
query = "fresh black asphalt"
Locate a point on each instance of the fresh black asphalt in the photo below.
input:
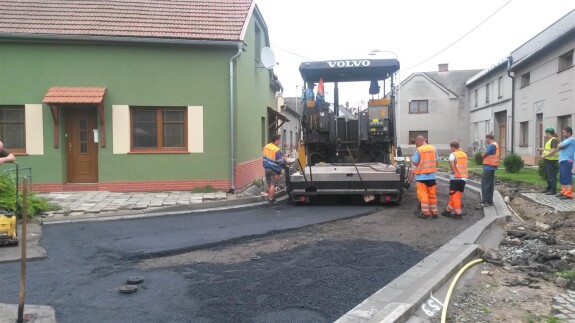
(89, 261)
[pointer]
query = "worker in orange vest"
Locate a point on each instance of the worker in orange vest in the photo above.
(457, 177)
(273, 162)
(425, 160)
(490, 165)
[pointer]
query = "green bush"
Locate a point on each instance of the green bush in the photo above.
(478, 158)
(513, 163)
(35, 204)
(541, 168)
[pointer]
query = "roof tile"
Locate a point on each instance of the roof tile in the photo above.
(71, 95)
(179, 19)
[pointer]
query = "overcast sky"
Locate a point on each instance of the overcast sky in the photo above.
(414, 30)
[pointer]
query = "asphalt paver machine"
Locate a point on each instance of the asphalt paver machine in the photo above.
(345, 156)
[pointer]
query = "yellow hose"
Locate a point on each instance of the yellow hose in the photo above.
(453, 283)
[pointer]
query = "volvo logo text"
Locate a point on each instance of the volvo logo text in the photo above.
(352, 63)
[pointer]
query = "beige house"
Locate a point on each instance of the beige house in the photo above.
(544, 86)
(434, 104)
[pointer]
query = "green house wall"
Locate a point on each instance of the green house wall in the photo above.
(143, 75)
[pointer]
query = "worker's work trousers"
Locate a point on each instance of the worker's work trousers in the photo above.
(456, 188)
(487, 186)
(427, 196)
(551, 167)
(565, 178)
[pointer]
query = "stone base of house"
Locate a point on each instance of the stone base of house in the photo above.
(245, 173)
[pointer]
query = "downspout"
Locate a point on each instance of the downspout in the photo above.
(509, 63)
(232, 122)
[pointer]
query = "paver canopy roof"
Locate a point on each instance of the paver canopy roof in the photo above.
(351, 70)
(177, 19)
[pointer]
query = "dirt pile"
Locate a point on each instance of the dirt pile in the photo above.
(533, 270)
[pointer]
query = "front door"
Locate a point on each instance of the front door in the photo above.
(502, 141)
(81, 150)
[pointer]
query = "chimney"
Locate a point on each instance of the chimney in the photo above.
(347, 104)
(443, 67)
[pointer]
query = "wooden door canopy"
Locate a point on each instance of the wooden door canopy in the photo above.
(69, 97)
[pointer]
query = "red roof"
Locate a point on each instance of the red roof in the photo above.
(179, 19)
(74, 95)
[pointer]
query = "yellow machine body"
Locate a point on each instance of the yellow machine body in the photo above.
(7, 226)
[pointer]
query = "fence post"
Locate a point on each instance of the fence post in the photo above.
(23, 248)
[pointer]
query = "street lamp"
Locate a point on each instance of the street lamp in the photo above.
(373, 52)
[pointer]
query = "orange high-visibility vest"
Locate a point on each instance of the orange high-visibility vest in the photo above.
(427, 160)
(460, 164)
(492, 160)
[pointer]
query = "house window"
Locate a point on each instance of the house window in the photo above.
(525, 79)
(500, 87)
(414, 134)
(487, 92)
(12, 128)
(562, 123)
(566, 61)
(418, 106)
(284, 140)
(524, 133)
(159, 129)
(476, 97)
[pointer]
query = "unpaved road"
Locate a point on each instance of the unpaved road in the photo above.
(312, 274)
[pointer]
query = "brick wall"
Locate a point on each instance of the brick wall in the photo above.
(247, 172)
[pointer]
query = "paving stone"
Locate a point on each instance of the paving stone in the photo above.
(551, 201)
(221, 195)
(156, 203)
(209, 196)
(94, 210)
(169, 203)
(197, 195)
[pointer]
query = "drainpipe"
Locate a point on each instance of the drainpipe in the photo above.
(232, 122)
(509, 63)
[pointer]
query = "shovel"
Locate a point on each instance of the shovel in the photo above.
(366, 197)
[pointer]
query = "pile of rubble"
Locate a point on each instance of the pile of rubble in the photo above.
(536, 251)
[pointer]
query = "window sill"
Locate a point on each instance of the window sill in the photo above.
(19, 153)
(523, 146)
(418, 112)
(157, 152)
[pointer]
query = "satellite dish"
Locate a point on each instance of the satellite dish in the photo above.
(268, 58)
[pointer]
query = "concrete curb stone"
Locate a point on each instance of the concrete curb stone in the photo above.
(398, 300)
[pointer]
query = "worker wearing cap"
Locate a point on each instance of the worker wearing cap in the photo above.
(551, 157)
(457, 177)
(425, 160)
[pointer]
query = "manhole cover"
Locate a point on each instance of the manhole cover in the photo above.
(128, 289)
(135, 280)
